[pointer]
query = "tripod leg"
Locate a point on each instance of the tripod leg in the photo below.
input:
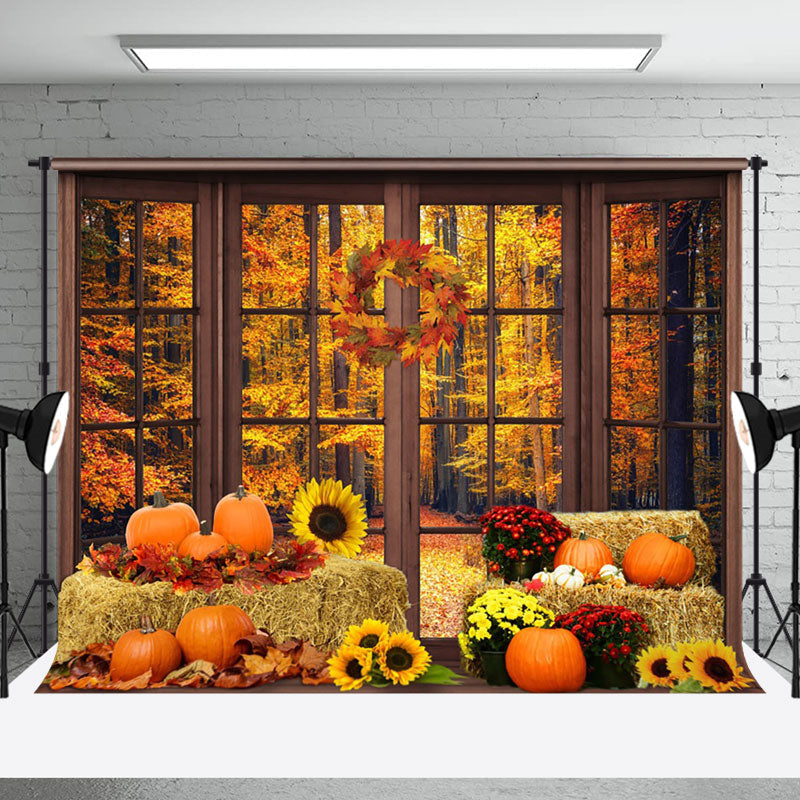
(16, 625)
(781, 627)
(777, 612)
(22, 613)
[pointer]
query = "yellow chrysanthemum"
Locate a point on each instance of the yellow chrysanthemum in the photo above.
(713, 664)
(679, 659)
(653, 665)
(330, 514)
(350, 667)
(367, 634)
(402, 659)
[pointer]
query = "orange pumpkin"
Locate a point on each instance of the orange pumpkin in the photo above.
(146, 648)
(243, 519)
(161, 523)
(210, 633)
(546, 660)
(652, 557)
(201, 544)
(585, 553)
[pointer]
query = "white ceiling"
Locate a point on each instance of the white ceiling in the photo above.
(704, 41)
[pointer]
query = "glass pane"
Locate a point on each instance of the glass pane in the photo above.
(108, 275)
(168, 254)
(455, 386)
(353, 454)
(275, 464)
(343, 229)
(451, 568)
(167, 366)
(460, 231)
(528, 465)
(275, 356)
(452, 474)
(107, 368)
(634, 255)
(634, 468)
(634, 366)
(694, 253)
(275, 255)
(528, 256)
(168, 462)
(346, 387)
(528, 358)
(693, 367)
(108, 482)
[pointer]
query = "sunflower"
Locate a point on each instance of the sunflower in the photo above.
(679, 660)
(330, 514)
(402, 659)
(653, 666)
(368, 634)
(350, 667)
(713, 664)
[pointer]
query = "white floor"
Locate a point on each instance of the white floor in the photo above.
(289, 735)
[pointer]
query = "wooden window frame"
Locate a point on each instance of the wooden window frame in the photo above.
(220, 186)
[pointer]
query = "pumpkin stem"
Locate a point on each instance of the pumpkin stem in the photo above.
(159, 501)
(679, 537)
(241, 493)
(147, 625)
(582, 536)
(204, 528)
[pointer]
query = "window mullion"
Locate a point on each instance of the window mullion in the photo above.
(313, 355)
(491, 344)
(138, 363)
(662, 353)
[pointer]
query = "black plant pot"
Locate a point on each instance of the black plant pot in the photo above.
(522, 570)
(608, 675)
(494, 668)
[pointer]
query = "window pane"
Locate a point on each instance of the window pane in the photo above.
(693, 367)
(168, 255)
(108, 482)
(634, 366)
(353, 454)
(634, 255)
(528, 465)
(168, 462)
(343, 229)
(107, 247)
(451, 570)
(694, 253)
(275, 255)
(452, 474)
(455, 386)
(167, 366)
(460, 231)
(107, 368)
(528, 256)
(275, 364)
(275, 464)
(346, 387)
(528, 358)
(634, 468)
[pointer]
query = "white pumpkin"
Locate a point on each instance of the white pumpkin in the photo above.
(568, 577)
(544, 576)
(609, 573)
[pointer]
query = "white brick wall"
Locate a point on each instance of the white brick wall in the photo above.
(404, 121)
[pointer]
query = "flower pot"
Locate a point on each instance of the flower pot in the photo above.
(522, 570)
(609, 675)
(494, 668)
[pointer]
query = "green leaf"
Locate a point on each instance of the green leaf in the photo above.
(642, 684)
(689, 686)
(379, 682)
(436, 673)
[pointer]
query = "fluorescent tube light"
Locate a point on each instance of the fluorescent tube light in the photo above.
(161, 54)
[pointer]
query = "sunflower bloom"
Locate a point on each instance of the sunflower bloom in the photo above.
(653, 665)
(679, 660)
(368, 634)
(713, 664)
(331, 515)
(402, 659)
(350, 667)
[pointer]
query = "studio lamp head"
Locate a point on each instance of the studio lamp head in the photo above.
(42, 428)
(758, 428)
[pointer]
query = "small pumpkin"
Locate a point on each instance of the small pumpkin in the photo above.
(653, 557)
(545, 576)
(210, 633)
(546, 660)
(160, 523)
(586, 553)
(609, 573)
(146, 648)
(568, 577)
(243, 519)
(201, 544)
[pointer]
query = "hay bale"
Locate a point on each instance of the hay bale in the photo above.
(619, 528)
(92, 608)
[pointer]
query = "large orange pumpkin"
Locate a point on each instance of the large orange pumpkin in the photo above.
(652, 557)
(146, 648)
(546, 660)
(585, 553)
(201, 544)
(243, 519)
(161, 523)
(210, 633)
